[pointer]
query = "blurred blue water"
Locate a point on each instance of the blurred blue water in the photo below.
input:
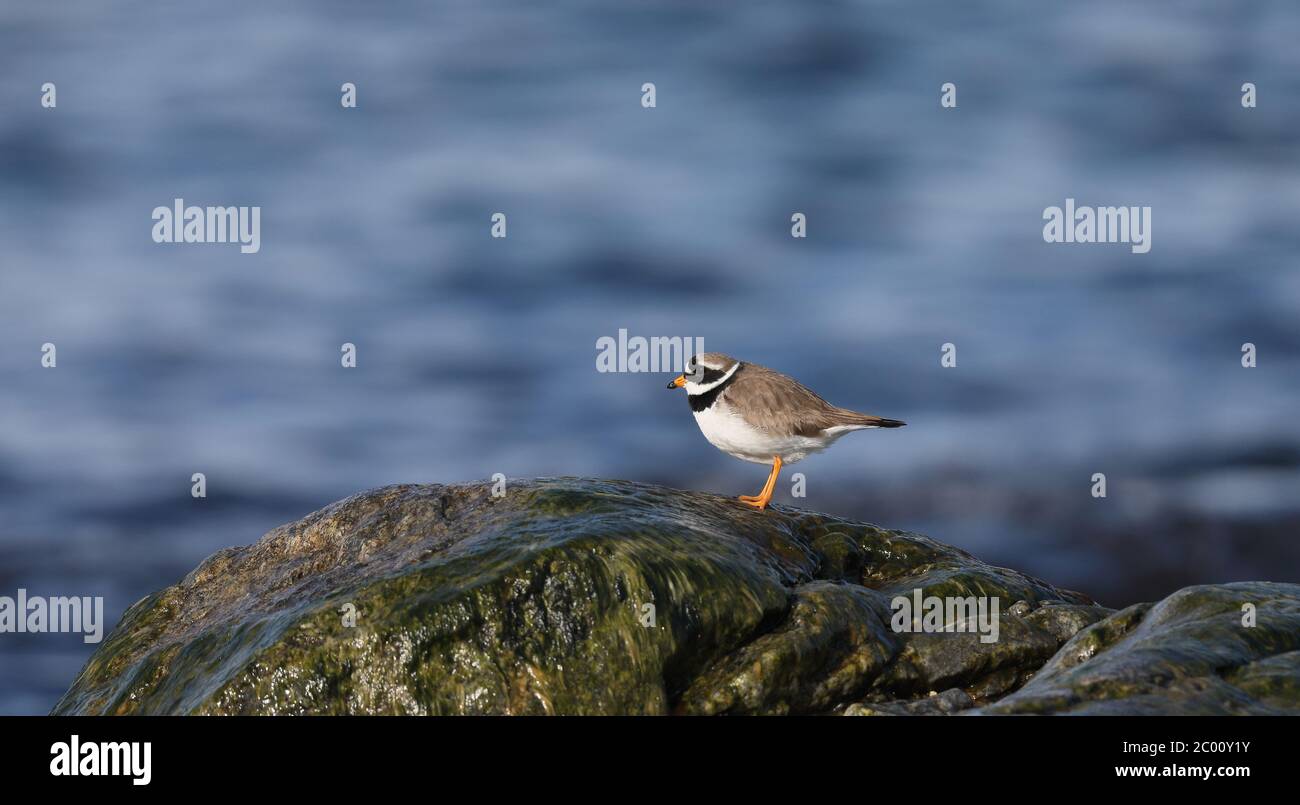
(477, 356)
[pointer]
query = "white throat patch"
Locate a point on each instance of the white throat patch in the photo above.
(701, 388)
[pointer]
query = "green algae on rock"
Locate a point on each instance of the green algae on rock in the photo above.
(1224, 649)
(578, 596)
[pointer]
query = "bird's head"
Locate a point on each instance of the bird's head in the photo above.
(705, 371)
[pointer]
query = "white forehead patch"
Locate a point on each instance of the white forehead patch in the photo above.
(707, 363)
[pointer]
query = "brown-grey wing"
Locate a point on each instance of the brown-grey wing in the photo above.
(780, 405)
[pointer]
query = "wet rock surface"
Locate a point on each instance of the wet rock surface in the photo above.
(1224, 649)
(572, 595)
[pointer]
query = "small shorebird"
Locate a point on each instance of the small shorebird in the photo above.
(760, 415)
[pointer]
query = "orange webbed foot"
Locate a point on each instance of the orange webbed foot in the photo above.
(765, 497)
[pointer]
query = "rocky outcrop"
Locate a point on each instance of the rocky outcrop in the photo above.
(585, 596)
(1227, 649)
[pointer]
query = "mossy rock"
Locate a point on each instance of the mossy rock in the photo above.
(1225, 649)
(579, 596)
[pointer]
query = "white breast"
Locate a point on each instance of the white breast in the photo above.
(727, 431)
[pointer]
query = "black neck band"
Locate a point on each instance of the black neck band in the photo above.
(705, 399)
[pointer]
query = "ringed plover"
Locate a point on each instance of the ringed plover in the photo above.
(760, 415)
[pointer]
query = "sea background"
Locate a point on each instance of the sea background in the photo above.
(477, 356)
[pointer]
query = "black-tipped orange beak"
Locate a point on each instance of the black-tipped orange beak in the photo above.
(678, 382)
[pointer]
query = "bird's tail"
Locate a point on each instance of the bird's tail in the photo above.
(869, 421)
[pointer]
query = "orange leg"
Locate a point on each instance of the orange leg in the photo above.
(765, 497)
